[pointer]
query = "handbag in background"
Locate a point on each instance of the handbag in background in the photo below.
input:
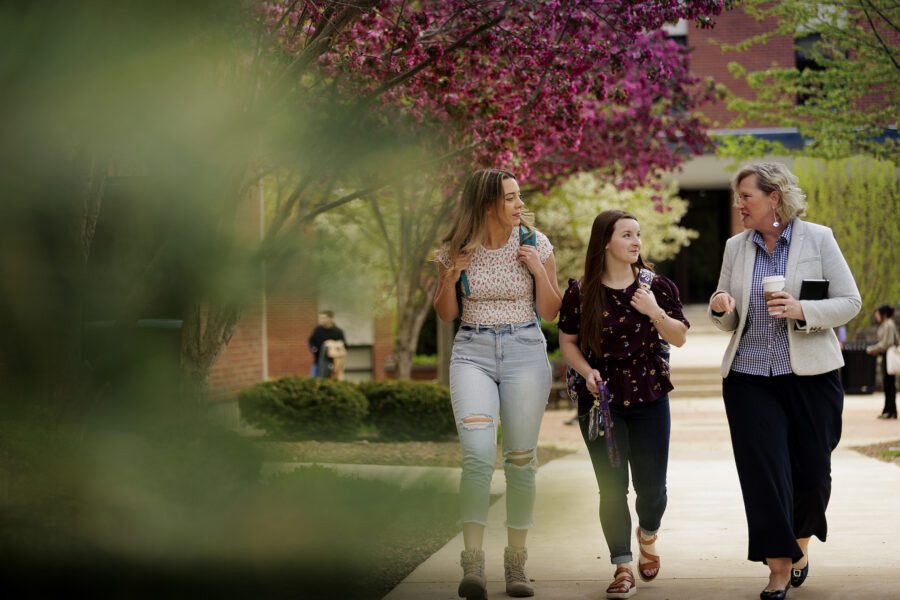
(892, 356)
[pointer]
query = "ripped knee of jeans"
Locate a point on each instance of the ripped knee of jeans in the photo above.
(520, 458)
(473, 422)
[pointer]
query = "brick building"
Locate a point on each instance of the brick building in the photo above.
(271, 339)
(705, 180)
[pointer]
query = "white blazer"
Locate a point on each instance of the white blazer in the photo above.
(813, 254)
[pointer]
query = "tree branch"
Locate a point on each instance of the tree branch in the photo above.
(370, 190)
(878, 36)
(379, 218)
(432, 59)
(319, 44)
(884, 17)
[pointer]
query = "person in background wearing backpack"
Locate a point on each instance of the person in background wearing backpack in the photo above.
(498, 275)
(615, 325)
(887, 337)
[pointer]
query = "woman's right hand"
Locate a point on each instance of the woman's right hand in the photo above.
(722, 303)
(459, 265)
(593, 381)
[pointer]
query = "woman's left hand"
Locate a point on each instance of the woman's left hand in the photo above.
(644, 302)
(529, 257)
(784, 306)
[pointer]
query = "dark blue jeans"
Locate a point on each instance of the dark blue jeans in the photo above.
(641, 432)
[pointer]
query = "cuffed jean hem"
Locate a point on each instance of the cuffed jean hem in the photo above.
(474, 522)
(621, 559)
(648, 532)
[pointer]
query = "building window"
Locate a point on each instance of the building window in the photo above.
(804, 57)
(677, 31)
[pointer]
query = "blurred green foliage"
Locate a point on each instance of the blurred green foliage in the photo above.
(173, 515)
(134, 138)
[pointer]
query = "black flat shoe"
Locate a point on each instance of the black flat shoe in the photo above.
(887, 416)
(798, 576)
(775, 594)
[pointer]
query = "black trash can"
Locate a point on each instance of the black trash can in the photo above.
(858, 372)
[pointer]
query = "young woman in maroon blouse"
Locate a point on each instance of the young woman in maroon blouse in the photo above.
(611, 330)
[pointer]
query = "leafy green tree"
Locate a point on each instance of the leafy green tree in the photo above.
(567, 213)
(842, 104)
(393, 237)
(859, 199)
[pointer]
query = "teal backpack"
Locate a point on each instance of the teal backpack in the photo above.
(527, 237)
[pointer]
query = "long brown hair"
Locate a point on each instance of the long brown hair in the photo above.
(592, 308)
(483, 190)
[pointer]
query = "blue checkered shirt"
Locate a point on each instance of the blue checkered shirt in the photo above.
(763, 349)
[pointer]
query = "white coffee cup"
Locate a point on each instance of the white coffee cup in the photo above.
(772, 284)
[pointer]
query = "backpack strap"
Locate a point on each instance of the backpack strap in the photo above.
(645, 279)
(462, 289)
(528, 237)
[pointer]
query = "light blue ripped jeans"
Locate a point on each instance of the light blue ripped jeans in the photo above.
(499, 372)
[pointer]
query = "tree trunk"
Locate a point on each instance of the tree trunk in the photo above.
(412, 310)
(205, 332)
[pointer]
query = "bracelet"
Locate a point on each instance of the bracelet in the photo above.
(658, 319)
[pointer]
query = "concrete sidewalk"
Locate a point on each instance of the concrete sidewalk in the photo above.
(703, 541)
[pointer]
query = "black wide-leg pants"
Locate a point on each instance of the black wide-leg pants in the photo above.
(783, 430)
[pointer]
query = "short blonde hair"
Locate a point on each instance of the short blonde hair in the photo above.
(775, 177)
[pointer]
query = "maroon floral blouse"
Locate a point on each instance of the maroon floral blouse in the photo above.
(632, 363)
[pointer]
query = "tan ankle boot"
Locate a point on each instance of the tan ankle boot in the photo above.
(517, 582)
(473, 585)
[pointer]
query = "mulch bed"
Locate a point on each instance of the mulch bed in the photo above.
(886, 451)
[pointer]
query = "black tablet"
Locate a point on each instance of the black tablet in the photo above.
(813, 289)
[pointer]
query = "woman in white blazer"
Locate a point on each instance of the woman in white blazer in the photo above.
(781, 385)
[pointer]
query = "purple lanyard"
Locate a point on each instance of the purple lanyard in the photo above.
(599, 415)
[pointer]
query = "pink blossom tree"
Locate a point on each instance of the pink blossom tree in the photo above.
(545, 89)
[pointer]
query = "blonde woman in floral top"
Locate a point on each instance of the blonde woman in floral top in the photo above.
(501, 273)
(611, 331)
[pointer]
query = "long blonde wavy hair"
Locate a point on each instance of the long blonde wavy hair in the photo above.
(468, 227)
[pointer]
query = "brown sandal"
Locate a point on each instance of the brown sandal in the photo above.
(652, 560)
(623, 585)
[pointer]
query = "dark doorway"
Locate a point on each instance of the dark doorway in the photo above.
(696, 268)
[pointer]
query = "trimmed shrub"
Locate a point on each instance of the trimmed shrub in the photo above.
(410, 410)
(305, 408)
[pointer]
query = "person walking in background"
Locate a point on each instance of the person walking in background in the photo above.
(325, 331)
(887, 337)
(782, 391)
(612, 326)
(498, 274)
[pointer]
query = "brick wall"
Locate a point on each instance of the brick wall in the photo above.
(707, 58)
(240, 364)
(384, 345)
(292, 316)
